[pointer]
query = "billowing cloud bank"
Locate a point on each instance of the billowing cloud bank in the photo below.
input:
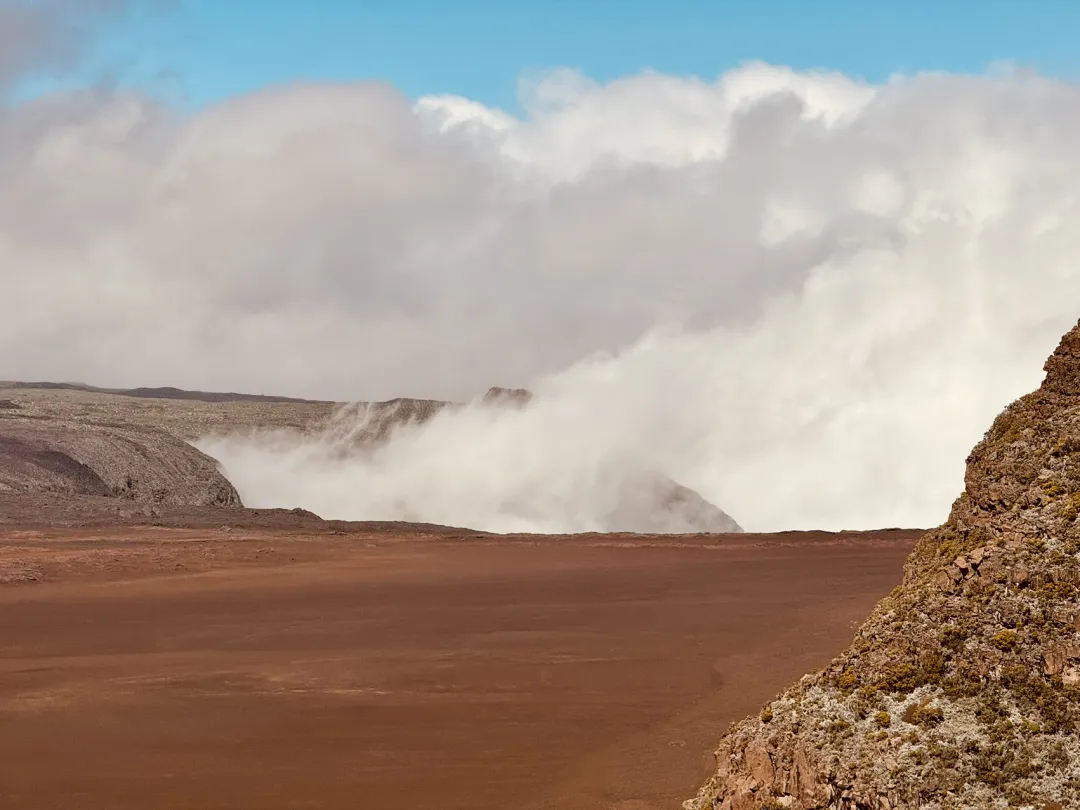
(800, 295)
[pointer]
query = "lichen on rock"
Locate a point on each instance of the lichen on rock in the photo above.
(962, 688)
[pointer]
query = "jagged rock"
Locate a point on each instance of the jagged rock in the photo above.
(984, 628)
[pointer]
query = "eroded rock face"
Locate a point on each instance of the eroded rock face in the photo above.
(138, 464)
(962, 688)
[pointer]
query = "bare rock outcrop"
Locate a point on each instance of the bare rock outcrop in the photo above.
(135, 463)
(962, 688)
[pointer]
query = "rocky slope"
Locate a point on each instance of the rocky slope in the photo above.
(77, 439)
(962, 688)
(190, 418)
(139, 464)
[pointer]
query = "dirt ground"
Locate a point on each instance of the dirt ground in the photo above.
(257, 667)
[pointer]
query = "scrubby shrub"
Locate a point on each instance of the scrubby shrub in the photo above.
(1071, 508)
(847, 682)
(900, 676)
(1001, 765)
(932, 665)
(1053, 488)
(837, 727)
(1005, 640)
(952, 638)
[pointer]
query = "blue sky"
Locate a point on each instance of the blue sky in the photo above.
(201, 51)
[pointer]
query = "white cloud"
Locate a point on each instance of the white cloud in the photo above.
(573, 124)
(815, 293)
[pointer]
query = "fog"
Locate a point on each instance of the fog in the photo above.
(803, 296)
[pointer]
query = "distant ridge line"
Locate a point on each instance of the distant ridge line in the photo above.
(166, 392)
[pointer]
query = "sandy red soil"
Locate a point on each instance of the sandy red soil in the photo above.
(150, 668)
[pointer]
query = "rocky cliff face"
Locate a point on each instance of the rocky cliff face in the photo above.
(962, 689)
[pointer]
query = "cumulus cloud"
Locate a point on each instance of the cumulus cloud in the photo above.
(802, 295)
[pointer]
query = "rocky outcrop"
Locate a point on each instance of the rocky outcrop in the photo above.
(123, 461)
(962, 688)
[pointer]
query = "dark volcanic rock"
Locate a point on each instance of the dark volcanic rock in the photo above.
(962, 688)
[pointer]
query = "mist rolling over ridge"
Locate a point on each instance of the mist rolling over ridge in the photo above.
(800, 295)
